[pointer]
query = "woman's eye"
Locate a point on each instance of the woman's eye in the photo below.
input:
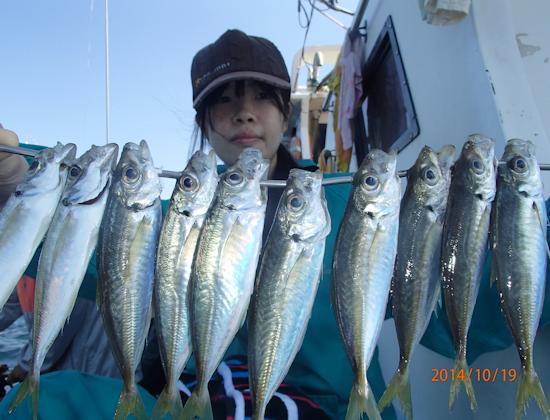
(262, 95)
(224, 99)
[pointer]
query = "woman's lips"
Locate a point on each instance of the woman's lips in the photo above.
(246, 141)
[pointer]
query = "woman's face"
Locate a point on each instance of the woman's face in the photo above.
(244, 116)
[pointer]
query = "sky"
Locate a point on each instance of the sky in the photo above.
(52, 65)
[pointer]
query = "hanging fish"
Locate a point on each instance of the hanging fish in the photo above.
(190, 201)
(28, 213)
(126, 263)
(223, 271)
(518, 242)
(67, 250)
(363, 263)
(465, 236)
(416, 279)
(286, 284)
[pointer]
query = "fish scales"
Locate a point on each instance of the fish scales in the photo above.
(518, 242)
(126, 262)
(363, 263)
(286, 285)
(465, 237)
(65, 255)
(223, 269)
(189, 203)
(27, 214)
(416, 278)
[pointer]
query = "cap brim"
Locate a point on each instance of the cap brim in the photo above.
(240, 75)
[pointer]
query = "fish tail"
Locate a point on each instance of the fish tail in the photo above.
(461, 377)
(361, 401)
(169, 403)
(130, 402)
(530, 386)
(198, 405)
(29, 386)
(399, 386)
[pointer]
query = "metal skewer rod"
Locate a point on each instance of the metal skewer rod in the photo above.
(273, 183)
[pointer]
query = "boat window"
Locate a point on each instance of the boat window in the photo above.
(388, 119)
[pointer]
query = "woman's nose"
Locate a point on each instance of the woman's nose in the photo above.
(245, 111)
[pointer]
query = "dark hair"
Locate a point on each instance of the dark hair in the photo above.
(279, 97)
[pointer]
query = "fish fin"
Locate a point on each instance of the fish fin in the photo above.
(130, 402)
(543, 224)
(399, 386)
(198, 405)
(530, 386)
(462, 366)
(169, 403)
(29, 386)
(361, 401)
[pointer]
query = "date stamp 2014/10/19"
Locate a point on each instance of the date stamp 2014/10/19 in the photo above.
(474, 374)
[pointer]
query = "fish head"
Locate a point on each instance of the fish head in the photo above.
(89, 177)
(430, 177)
(239, 186)
(376, 186)
(520, 167)
(48, 170)
(196, 186)
(302, 212)
(136, 181)
(475, 169)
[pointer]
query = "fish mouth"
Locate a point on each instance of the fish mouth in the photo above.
(66, 202)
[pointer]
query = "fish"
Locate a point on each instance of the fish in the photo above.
(519, 249)
(465, 239)
(29, 211)
(126, 252)
(191, 198)
(65, 255)
(286, 284)
(362, 269)
(223, 270)
(415, 286)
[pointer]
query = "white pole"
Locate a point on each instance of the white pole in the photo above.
(107, 99)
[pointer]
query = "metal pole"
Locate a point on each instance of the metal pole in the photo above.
(107, 89)
(273, 183)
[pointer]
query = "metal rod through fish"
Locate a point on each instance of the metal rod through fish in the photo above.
(273, 183)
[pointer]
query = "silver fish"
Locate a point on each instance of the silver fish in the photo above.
(416, 279)
(286, 284)
(362, 269)
(28, 213)
(67, 250)
(224, 267)
(518, 242)
(465, 236)
(126, 263)
(190, 201)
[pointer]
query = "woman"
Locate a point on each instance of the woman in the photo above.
(241, 94)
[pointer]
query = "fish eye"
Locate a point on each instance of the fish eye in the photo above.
(371, 182)
(34, 165)
(478, 166)
(75, 171)
(518, 164)
(131, 174)
(294, 202)
(429, 175)
(188, 183)
(234, 178)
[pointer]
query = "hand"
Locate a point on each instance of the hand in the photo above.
(8, 138)
(16, 375)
